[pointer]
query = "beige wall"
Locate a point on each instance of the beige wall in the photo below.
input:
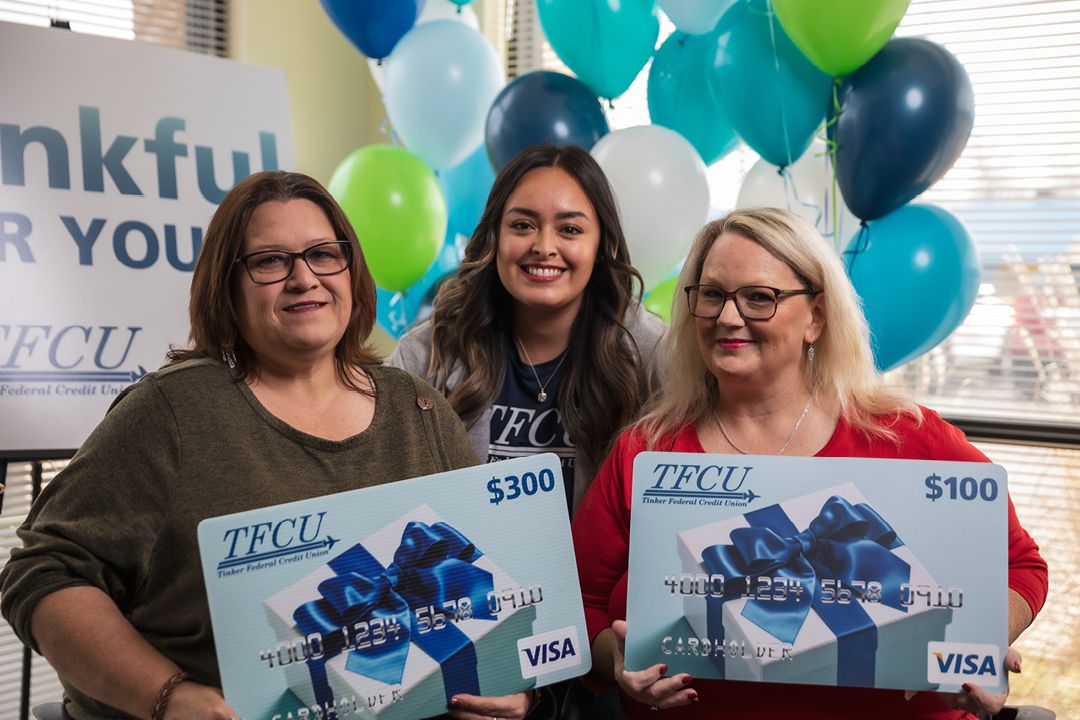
(335, 105)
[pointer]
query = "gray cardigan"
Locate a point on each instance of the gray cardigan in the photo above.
(413, 353)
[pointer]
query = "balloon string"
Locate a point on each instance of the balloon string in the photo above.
(791, 192)
(831, 147)
(776, 66)
(858, 247)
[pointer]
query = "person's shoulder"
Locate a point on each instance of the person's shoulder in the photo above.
(418, 337)
(190, 377)
(643, 324)
(396, 382)
(927, 435)
(413, 350)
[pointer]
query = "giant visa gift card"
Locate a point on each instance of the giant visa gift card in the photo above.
(387, 601)
(829, 571)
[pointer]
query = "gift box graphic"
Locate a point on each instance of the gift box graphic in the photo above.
(404, 621)
(872, 640)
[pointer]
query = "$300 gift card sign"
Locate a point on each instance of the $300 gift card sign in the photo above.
(386, 601)
(830, 571)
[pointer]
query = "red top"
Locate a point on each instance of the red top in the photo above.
(601, 530)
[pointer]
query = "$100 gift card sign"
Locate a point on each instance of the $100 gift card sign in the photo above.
(386, 601)
(830, 571)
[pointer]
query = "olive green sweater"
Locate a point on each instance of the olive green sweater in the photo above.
(184, 444)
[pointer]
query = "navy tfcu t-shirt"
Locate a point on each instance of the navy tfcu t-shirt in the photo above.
(521, 425)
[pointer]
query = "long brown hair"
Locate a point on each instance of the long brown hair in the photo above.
(214, 324)
(604, 384)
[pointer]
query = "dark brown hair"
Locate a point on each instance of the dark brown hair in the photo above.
(604, 383)
(214, 324)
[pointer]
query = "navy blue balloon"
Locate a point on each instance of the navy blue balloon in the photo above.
(904, 119)
(373, 26)
(542, 107)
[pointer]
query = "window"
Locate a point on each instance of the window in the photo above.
(198, 25)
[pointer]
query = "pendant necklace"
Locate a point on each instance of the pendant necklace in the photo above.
(540, 396)
(783, 447)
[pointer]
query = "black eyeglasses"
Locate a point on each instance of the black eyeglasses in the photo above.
(267, 267)
(754, 302)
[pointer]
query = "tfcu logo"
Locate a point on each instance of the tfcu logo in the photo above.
(691, 484)
(268, 543)
(73, 353)
(547, 652)
(957, 663)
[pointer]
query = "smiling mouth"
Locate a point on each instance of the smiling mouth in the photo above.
(300, 307)
(546, 273)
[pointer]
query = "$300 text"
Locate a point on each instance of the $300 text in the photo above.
(528, 484)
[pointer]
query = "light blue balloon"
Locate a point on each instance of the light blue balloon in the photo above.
(396, 312)
(917, 273)
(681, 95)
(438, 85)
(605, 43)
(775, 100)
(465, 187)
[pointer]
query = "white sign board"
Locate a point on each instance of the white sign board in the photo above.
(113, 157)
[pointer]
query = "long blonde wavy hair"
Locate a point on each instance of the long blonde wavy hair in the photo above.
(843, 367)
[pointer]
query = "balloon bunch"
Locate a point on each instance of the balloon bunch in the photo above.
(898, 113)
(771, 73)
(411, 205)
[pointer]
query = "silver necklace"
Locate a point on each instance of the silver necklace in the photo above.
(783, 447)
(540, 396)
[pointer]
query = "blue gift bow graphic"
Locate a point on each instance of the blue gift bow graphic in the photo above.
(432, 565)
(844, 542)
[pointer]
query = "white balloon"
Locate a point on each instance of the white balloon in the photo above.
(446, 10)
(659, 182)
(694, 17)
(806, 189)
(441, 79)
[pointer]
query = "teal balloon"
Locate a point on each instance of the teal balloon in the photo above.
(605, 43)
(681, 95)
(465, 187)
(773, 96)
(917, 273)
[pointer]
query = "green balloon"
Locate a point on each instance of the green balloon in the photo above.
(839, 36)
(658, 300)
(396, 206)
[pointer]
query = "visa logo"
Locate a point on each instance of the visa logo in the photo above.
(547, 652)
(956, 663)
(966, 664)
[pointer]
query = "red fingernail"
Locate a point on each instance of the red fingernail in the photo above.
(663, 669)
(455, 702)
(966, 687)
(694, 698)
(1016, 666)
(687, 679)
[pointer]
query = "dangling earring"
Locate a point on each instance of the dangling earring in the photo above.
(228, 355)
(810, 354)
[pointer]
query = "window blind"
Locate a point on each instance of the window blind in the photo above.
(1017, 188)
(197, 25)
(44, 685)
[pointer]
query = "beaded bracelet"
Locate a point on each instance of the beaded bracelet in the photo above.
(162, 702)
